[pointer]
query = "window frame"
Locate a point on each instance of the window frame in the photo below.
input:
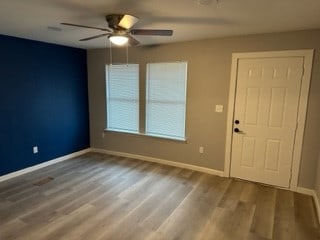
(142, 125)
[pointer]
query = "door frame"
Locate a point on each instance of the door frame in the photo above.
(302, 107)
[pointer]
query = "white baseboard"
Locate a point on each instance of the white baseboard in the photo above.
(161, 161)
(312, 193)
(42, 165)
(317, 203)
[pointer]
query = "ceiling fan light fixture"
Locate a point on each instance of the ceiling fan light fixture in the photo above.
(119, 40)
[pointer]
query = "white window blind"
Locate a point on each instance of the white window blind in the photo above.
(122, 83)
(166, 99)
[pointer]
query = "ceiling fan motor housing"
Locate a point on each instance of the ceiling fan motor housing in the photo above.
(114, 20)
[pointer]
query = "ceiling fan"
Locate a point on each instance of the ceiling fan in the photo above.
(120, 30)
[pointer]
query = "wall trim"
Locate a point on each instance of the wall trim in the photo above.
(302, 109)
(161, 161)
(42, 165)
(314, 194)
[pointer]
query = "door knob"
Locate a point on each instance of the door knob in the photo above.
(236, 130)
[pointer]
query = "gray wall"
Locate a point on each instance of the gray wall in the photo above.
(317, 181)
(209, 65)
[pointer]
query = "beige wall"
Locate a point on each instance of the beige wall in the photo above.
(209, 65)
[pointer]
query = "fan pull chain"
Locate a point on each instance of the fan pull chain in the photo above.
(110, 48)
(127, 55)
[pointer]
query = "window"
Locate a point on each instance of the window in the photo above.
(166, 99)
(165, 105)
(122, 89)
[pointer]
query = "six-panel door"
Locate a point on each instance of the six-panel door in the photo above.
(267, 98)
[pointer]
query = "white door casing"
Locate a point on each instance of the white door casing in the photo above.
(268, 95)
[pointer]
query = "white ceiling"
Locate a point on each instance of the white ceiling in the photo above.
(187, 18)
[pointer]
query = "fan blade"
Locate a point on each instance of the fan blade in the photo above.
(132, 41)
(83, 26)
(155, 32)
(97, 36)
(127, 21)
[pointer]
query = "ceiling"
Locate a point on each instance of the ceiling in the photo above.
(189, 19)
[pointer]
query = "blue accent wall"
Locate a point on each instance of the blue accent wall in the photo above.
(43, 102)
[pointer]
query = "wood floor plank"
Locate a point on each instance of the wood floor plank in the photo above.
(95, 223)
(138, 197)
(249, 193)
(229, 224)
(231, 199)
(305, 211)
(303, 232)
(150, 204)
(9, 229)
(263, 220)
(199, 204)
(20, 207)
(284, 222)
(165, 207)
(97, 196)
(59, 169)
(57, 228)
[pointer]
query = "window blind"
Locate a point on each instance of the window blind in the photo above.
(166, 99)
(122, 88)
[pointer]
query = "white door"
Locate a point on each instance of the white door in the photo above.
(266, 106)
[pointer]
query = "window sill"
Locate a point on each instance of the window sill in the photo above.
(146, 135)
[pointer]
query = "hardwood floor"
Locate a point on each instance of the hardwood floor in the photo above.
(97, 196)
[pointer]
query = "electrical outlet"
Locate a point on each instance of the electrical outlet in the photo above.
(201, 150)
(35, 149)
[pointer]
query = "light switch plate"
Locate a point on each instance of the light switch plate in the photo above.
(219, 108)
